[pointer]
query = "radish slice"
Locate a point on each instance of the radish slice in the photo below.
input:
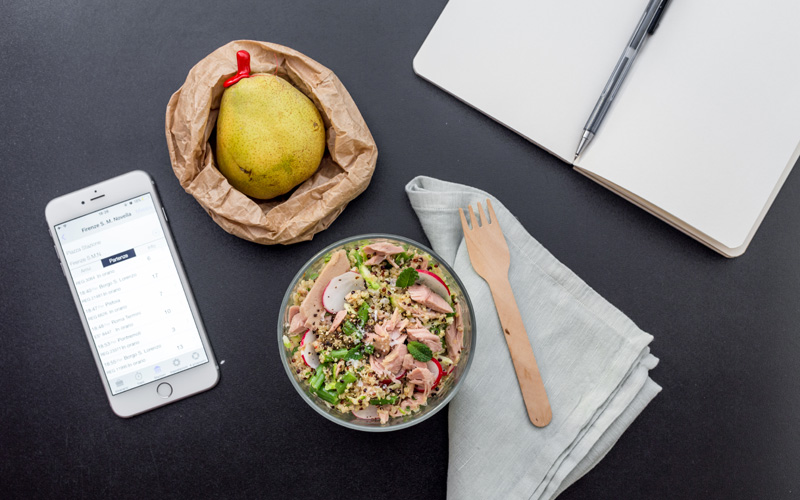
(368, 413)
(307, 352)
(338, 288)
(436, 368)
(435, 283)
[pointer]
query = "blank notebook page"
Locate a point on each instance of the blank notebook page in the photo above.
(708, 121)
(537, 67)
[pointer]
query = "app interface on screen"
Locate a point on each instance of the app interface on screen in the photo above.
(131, 294)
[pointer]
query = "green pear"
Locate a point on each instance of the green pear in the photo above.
(270, 137)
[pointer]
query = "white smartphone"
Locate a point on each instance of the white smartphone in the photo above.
(132, 294)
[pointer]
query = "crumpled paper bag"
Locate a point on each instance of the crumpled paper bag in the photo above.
(344, 173)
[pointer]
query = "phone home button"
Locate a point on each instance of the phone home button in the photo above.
(164, 390)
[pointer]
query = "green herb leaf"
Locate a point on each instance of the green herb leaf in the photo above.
(312, 276)
(420, 351)
(363, 313)
(349, 328)
(407, 278)
(369, 349)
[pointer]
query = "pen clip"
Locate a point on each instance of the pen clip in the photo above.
(657, 17)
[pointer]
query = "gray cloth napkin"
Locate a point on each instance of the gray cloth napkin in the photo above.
(594, 360)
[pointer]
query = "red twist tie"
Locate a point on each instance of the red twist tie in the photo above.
(243, 63)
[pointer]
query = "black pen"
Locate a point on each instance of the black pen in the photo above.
(647, 25)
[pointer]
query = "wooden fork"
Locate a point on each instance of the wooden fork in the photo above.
(488, 252)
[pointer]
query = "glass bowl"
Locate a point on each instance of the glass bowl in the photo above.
(449, 385)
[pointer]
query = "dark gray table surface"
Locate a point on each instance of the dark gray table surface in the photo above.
(83, 91)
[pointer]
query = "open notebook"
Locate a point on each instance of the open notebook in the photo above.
(704, 130)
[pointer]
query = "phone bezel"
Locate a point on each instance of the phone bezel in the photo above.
(96, 197)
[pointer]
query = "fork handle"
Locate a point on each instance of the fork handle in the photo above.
(530, 380)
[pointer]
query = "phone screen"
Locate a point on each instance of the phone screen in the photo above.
(131, 294)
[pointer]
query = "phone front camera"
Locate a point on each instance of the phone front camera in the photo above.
(83, 203)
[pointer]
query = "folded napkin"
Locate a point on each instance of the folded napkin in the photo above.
(595, 364)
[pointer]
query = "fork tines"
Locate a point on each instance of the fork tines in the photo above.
(484, 220)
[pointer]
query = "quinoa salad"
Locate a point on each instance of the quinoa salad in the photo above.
(376, 332)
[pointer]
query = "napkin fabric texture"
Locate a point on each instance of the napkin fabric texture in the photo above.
(595, 363)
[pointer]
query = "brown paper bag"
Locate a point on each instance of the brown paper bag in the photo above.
(345, 171)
